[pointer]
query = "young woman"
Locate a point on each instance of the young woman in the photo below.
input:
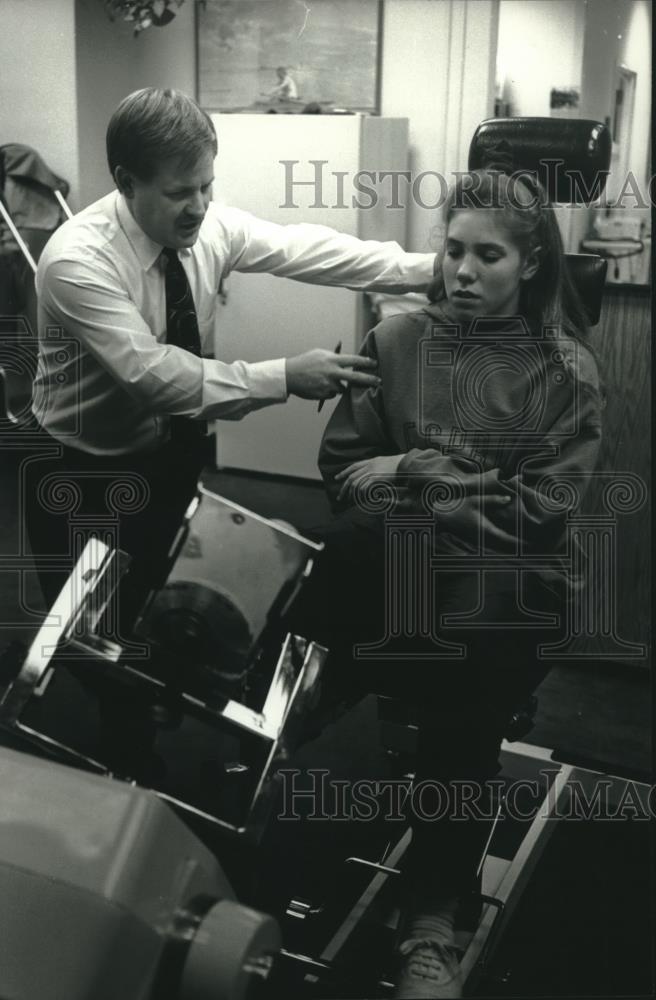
(489, 398)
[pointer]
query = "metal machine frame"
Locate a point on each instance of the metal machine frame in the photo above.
(77, 613)
(503, 880)
(71, 633)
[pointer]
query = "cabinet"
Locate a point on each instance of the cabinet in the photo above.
(267, 317)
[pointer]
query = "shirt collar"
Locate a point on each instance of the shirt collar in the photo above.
(147, 250)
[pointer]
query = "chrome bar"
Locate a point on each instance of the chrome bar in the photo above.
(17, 236)
(479, 869)
(373, 864)
(62, 201)
(69, 610)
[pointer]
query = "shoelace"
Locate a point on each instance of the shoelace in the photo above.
(433, 961)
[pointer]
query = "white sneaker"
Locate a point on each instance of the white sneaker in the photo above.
(431, 971)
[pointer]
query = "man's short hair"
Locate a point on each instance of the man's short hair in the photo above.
(151, 125)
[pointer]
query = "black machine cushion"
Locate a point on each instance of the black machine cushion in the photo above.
(588, 274)
(582, 146)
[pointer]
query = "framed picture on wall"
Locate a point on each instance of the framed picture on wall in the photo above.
(283, 55)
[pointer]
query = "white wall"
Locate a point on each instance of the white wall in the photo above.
(540, 47)
(635, 54)
(103, 65)
(579, 43)
(110, 64)
(64, 66)
(38, 82)
(618, 33)
(599, 59)
(437, 71)
(547, 43)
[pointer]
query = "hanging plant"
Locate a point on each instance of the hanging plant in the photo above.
(142, 13)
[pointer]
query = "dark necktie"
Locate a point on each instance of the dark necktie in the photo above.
(182, 331)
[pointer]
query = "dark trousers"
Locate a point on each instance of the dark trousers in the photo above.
(464, 705)
(136, 503)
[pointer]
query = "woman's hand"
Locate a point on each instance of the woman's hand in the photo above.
(380, 467)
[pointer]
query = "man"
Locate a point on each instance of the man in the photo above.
(132, 281)
(285, 89)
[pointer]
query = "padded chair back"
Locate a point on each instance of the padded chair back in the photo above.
(571, 159)
(588, 274)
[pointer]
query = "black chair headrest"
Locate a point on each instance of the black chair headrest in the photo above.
(583, 147)
(588, 274)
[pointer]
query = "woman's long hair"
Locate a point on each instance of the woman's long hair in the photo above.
(549, 298)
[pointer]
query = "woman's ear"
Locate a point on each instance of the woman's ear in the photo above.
(531, 264)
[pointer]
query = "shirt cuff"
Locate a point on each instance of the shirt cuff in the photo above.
(268, 380)
(418, 270)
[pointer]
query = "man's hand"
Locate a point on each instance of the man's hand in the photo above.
(320, 374)
(379, 468)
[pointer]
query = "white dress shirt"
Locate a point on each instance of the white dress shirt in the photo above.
(107, 380)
